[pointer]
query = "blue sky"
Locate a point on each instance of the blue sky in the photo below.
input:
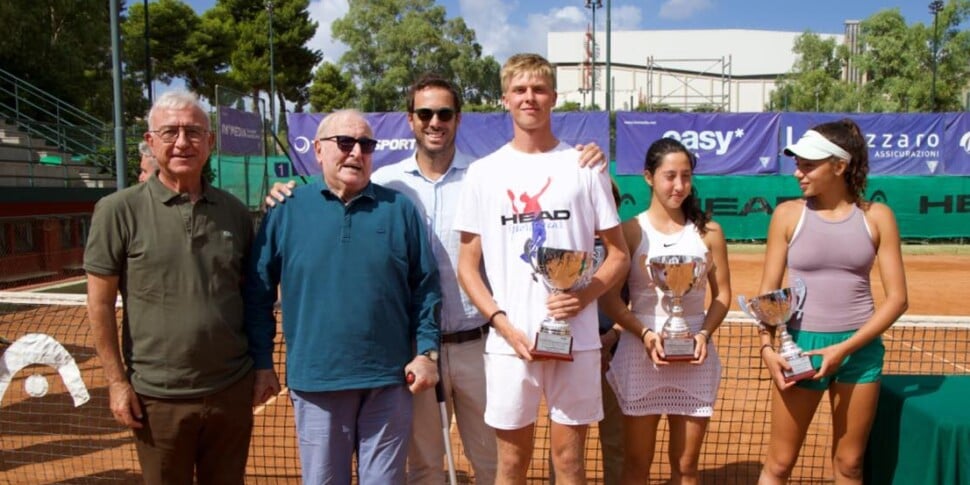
(505, 27)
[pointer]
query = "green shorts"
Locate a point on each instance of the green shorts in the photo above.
(863, 366)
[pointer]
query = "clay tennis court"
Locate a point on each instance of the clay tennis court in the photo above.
(47, 440)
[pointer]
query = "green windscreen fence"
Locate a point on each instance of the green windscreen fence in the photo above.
(925, 207)
(249, 177)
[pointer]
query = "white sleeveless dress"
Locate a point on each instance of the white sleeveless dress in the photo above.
(680, 388)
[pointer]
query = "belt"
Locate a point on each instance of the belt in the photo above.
(465, 335)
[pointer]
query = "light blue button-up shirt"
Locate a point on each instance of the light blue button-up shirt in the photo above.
(438, 200)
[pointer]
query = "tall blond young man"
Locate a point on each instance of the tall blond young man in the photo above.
(527, 194)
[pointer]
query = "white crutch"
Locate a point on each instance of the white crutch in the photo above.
(439, 392)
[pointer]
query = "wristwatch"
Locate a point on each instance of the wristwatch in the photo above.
(431, 354)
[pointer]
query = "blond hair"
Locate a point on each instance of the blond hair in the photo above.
(533, 64)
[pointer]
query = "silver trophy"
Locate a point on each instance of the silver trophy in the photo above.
(561, 270)
(676, 275)
(776, 309)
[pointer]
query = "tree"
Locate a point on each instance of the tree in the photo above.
(814, 76)
(895, 61)
(61, 47)
(292, 60)
(331, 89)
(392, 42)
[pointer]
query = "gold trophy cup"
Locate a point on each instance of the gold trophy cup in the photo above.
(676, 275)
(560, 270)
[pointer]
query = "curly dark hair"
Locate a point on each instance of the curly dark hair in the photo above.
(691, 205)
(847, 134)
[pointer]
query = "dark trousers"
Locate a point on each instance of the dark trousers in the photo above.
(208, 435)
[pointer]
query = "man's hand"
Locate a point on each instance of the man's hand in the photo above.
(267, 385)
(564, 305)
(591, 156)
(279, 193)
(421, 373)
(124, 405)
(516, 338)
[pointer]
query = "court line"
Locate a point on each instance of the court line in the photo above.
(261, 407)
(931, 355)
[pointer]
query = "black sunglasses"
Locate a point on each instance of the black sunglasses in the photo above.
(346, 143)
(444, 114)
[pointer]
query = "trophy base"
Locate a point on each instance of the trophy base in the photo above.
(801, 369)
(551, 346)
(678, 349)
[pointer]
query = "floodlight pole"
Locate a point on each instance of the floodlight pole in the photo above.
(935, 7)
(272, 75)
(593, 5)
(609, 80)
(148, 58)
(119, 121)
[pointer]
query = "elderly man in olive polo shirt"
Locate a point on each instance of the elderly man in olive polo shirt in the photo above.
(175, 247)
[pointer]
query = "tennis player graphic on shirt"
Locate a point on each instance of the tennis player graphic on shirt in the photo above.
(531, 206)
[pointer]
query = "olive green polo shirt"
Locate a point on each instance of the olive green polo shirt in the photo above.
(180, 267)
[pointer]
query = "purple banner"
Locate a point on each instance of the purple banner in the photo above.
(240, 132)
(395, 140)
(956, 152)
(899, 144)
(478, 135)
(738, 144)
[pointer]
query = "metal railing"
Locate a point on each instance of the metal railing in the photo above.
(41, 114)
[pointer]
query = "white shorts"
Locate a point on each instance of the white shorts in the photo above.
(516, 387)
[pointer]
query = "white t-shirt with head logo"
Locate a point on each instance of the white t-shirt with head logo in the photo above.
(518, 201)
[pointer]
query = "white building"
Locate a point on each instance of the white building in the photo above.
(732, 70)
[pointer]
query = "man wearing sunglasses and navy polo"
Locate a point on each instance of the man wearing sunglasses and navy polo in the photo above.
(359, 285)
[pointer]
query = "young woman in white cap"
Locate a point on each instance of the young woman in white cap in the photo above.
(646, 385)
(830, 239)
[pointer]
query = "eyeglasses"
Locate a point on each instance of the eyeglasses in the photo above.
(346, 143)
(444, 114)
(168, 134)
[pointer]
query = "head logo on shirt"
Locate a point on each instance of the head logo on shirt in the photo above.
(526, 209)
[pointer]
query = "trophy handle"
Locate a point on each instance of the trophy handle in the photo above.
(743, 303)
(801, 290)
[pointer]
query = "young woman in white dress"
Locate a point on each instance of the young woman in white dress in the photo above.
(647, 386)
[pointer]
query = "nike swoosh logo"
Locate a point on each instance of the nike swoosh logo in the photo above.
(667, 245)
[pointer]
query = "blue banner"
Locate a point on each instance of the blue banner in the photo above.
(240, 133)
(957, 149)
(478, 134)
(395, 140)
(899, 143)
(733, 143)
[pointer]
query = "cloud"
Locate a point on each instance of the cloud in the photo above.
(324, 12)
(625, 17)
(683, 9)
(503, 28)
(490, 20)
